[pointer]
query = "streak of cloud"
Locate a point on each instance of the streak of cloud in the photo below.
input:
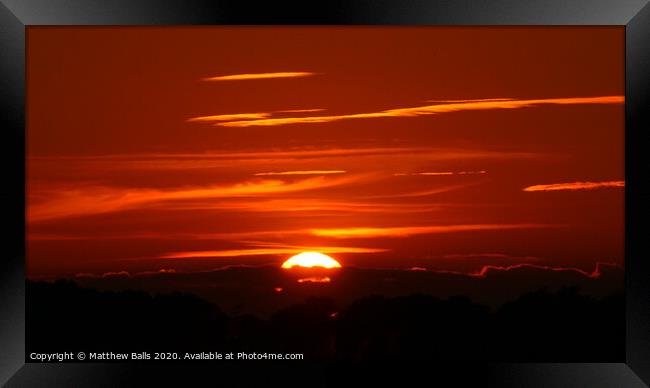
(596, 273)
(314, 205)
(210, 159)
(472, 100)
(406, 231)
(124, 273)
(441, 173)
(100, 200)
(425, 193)
(247, 116)
(309, 172)
(266, 251)
(428, 110)
(250, 76)
(229, 117)
(575, 186)
(300, 110)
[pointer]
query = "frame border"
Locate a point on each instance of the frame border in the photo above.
(16, 15)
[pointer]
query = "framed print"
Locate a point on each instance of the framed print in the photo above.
(216, 186)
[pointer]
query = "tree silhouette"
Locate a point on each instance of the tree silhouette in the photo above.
(562, 326)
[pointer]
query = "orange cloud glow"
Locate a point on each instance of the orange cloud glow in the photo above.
(473, 100)
(100, 200)
(235, 116)
(442, 173)
(301, 110)
(414, 230)
(241, 77)
(575, 186)
(307, 205)
(247, 116)
(428, 110)
(314, 204)
(266, 251)
(426, 193)
(314, 172)
(293, 156)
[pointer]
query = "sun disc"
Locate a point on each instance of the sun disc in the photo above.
(311, 259)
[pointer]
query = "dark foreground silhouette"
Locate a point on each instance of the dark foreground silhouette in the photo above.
(562, 326)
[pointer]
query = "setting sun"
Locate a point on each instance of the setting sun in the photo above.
(311, 259)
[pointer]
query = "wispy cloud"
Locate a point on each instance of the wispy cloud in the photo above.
(249, 76)
(575, 186)
(312, 206)
(229, 117)
(283, 163)
(301, 110)
(473, 100)
(208, 159)
(405, 231)
(428, 110)
(248, 116)
(99, 200)
(317, 205)
(266, 251)
(124, 273)
(485, 270)
(308, 172)
(423, 173)
(425, 193)
(441, 173)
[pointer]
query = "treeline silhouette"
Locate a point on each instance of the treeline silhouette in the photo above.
(563, 326)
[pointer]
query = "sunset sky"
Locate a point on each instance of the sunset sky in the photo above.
(384, 147)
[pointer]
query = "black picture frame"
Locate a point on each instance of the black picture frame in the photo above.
(16, 15)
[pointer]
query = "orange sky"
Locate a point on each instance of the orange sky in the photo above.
(449, 148)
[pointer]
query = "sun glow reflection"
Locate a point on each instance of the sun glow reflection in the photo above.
(315, 279)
